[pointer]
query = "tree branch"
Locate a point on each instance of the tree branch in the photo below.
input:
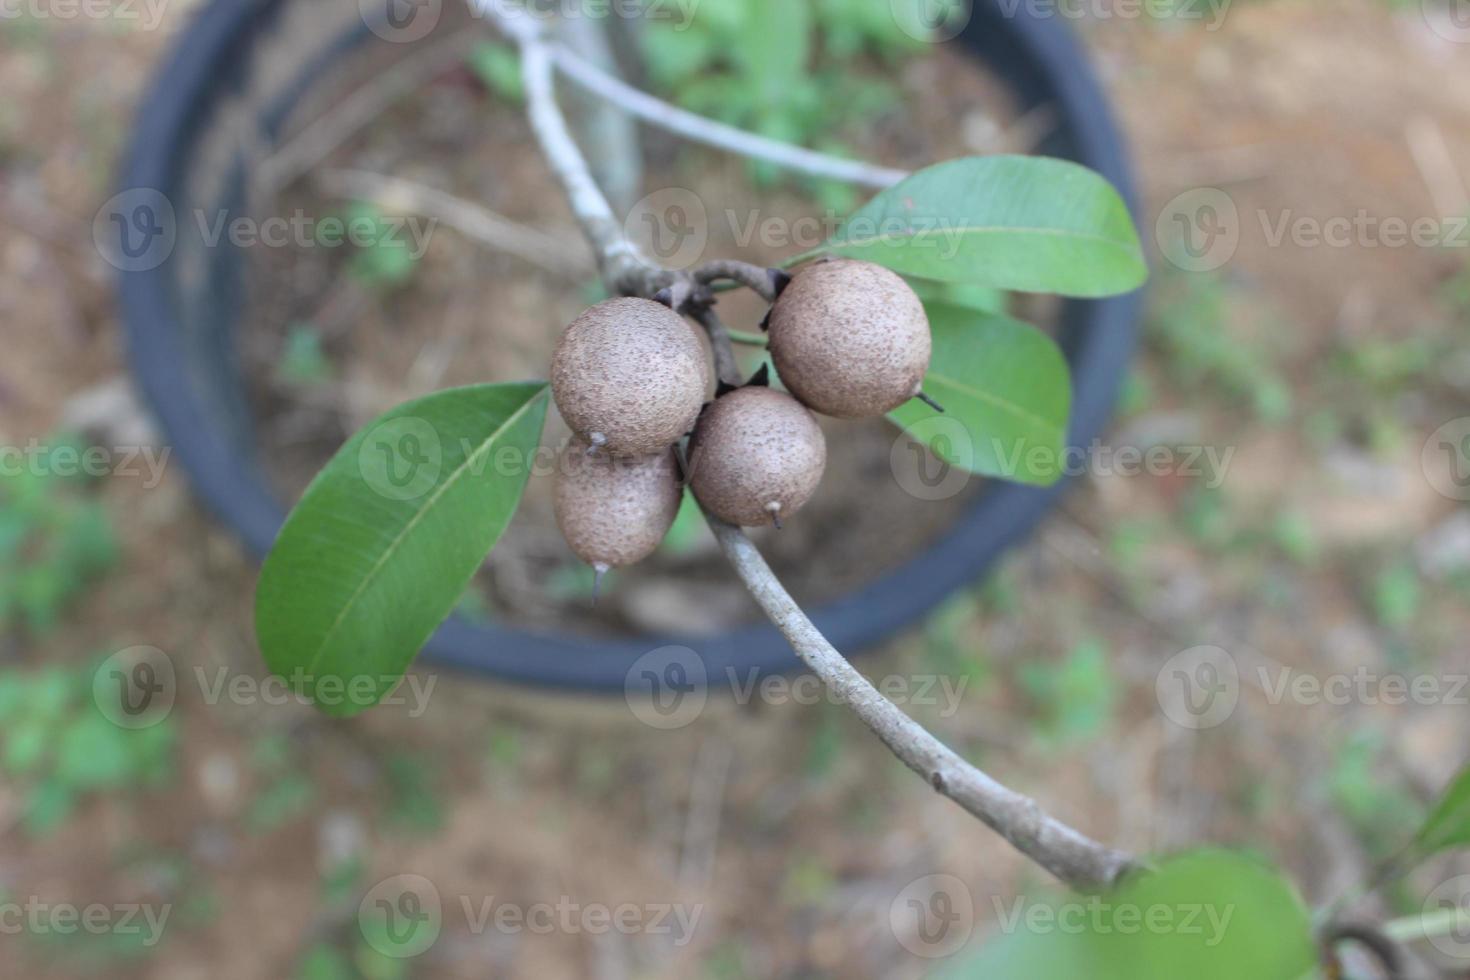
(702, 130)
(479, 223)
(1065, 852)
(727, 368)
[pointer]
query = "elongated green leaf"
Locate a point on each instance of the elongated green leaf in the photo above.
(387, 537)
(1007, 394)
(1207, 915)
(1031, 224)
(1448, 825)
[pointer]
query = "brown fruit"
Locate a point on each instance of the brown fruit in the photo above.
(756, 456)
(850, 339)
(630, 375)
(614, 510)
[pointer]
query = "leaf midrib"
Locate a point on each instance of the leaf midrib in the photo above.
(1004, 404)
(1120, 245)
(413, 522)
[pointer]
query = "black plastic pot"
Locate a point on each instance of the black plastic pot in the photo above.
(233, 76)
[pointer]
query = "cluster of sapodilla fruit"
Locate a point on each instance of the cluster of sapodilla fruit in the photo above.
(630, 376)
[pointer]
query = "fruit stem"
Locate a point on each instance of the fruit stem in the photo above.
(765, 283)
(599, 569)
(928, 401)
(775, 508)
(595, 441)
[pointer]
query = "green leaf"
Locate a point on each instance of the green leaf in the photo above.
(499, 67)
(388, 535)
(1007, 394)
(1206, 915)
(1031, 224)
(1448, 825)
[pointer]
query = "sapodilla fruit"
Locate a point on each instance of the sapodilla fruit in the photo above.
(850, 339)
(756, 456)
(629, 375)
(614, 510)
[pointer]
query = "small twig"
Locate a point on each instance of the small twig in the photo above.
(727, 368)
(765, 283)
(618, 165)
(702, 130)
(1384, 948)
(405, 196)
(623, 268)
(1070, 855)
(748, 339)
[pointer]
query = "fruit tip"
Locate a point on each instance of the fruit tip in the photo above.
(599, 569)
